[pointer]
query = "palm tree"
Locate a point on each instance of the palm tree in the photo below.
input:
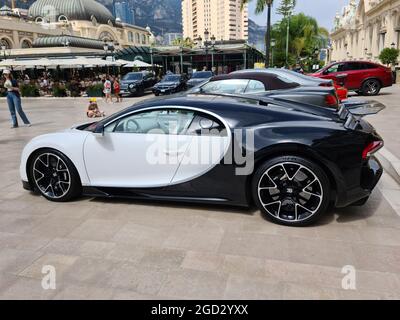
(260, 7)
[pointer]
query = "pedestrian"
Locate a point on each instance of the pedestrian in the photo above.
(117, 89)
(107, 89)
(14, 100)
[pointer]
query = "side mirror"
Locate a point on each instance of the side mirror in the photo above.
(326, 71)
(99, 131)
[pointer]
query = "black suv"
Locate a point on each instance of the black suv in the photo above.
(136, 83)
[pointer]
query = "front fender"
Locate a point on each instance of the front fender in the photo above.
(69, 142)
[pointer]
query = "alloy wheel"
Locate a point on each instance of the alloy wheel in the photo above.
(290, 192)
(51, 175)
(372, 87)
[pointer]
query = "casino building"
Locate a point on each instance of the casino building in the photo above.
(75, 18)
(364, 28)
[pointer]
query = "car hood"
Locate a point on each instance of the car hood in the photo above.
(130, 82)
(197, 80)
(167, 83)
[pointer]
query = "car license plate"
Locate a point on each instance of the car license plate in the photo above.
(163, 90)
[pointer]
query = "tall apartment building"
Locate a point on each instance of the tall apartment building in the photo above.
(123, 11)
(222, 18)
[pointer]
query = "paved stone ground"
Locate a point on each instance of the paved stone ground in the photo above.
(118, 249)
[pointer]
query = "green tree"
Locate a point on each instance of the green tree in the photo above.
(389, 56)
(306, 36)
(286, 8)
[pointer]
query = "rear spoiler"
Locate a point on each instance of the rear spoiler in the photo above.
(354, 111)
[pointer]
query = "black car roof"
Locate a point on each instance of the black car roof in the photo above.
(270, 81)
(249, 106)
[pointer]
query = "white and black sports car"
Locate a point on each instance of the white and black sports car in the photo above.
(290, 159)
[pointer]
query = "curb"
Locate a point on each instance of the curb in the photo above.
(390, 163)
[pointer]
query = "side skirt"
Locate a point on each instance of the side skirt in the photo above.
(124, 193)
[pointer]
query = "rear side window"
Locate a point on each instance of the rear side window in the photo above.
(366, 66)
(255, 86)
(229, 86)
(206, 125)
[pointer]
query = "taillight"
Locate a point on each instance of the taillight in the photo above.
(331, 100)
(371, 148)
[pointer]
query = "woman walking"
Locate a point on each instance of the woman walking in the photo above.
(14, 100)
(107, 89)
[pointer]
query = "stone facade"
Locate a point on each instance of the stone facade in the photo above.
(365, 28)
(19, 31)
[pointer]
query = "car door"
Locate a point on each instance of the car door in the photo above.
(335, 70)
(351, 75)
(211, 139)
(139, 150)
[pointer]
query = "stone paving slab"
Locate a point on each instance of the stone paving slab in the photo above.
(122, 249)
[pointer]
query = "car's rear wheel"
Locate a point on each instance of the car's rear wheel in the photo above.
(54, 176)
(291, 190)
(371, 87)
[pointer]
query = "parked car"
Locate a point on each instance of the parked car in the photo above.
(364, 77)
(136, 83)
(269, 84)
(303, 158)
(198, 78)
(304, 80)
(171, 83)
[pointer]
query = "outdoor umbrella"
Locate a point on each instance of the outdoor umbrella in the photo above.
(137, 64)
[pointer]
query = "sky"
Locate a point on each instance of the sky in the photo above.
(323, 10)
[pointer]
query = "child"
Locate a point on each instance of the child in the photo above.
(93, 110)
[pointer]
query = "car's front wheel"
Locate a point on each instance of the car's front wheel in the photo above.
(291, 190)
(54, 176)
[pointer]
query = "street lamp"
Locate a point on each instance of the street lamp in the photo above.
(108, 47)
(268, 33)
(206, 44)
(273, 43)
(213, 40)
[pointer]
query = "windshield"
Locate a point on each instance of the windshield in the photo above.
(202, 75)
(171, 78)
(133, 76)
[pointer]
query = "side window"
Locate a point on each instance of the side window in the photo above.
(255, 86)
(352, 66)
(339, 67)
(206, 125)
(229, 86)
(163, 121)
(366, 66)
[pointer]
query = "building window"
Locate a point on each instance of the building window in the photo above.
(130, 36)
(137, 38)
(26, 44)
(143, 39)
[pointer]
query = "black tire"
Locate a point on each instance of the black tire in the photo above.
(156, 94)
(291, 201)
(371, 87)
(59, 170)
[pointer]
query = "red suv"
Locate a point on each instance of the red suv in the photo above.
(364, 77)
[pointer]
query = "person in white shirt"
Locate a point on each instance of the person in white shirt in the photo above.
(107, 89)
